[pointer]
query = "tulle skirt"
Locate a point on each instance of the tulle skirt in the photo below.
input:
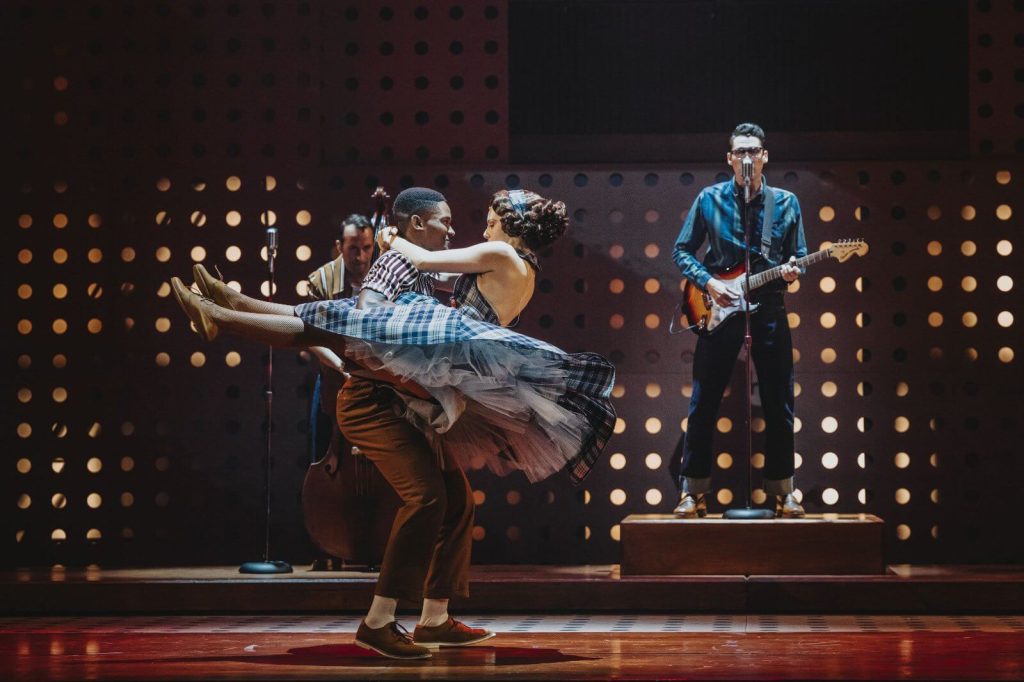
(507, 399)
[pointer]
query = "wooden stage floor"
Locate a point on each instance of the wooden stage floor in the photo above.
(594, 647)
(495, 589)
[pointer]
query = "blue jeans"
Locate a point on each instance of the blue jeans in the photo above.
(713, 363)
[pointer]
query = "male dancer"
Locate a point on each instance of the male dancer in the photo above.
(717, 215)
(428, 552)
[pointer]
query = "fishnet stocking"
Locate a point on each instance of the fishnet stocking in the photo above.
(278, 330)
(246, 304)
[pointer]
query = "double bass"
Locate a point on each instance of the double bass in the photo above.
(347, 504)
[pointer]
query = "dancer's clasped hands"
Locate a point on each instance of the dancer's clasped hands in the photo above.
(386, 237)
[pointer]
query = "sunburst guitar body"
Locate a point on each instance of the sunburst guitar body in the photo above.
(703, 316)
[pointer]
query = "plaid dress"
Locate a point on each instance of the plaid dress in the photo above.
(515, 401)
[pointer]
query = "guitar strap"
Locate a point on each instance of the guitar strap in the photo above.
(766, 225)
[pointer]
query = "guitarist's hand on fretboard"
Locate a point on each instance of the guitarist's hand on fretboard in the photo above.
(790, 272)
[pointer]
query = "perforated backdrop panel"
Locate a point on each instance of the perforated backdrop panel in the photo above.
(151, 136)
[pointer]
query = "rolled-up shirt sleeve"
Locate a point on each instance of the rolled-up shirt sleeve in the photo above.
(392, 274)
(691, 236)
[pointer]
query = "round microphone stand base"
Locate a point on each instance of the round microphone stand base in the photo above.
(265, 567)
(748, 514)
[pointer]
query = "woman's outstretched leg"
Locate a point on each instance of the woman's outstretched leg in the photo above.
(226, 297)
(282, 331)
(247, 304)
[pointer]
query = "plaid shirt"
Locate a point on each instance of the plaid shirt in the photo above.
(393, 274)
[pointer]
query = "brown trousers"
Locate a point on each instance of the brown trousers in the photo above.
(428, 552)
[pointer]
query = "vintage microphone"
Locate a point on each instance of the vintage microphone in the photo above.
(268, 566)
(748, 512)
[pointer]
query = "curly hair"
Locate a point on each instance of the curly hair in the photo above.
(541, 222)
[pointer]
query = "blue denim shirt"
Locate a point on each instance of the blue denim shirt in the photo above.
(715, 216)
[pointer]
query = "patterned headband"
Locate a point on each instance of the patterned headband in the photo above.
(518, 199)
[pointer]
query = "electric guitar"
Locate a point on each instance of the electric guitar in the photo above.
(704, 316)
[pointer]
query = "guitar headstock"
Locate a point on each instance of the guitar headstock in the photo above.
(844, 248)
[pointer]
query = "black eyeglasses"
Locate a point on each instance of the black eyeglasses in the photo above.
(740, 152)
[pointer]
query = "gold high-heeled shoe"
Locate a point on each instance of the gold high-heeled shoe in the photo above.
(210, 286)
(193, 304)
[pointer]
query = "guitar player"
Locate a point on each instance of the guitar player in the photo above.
(717, 216)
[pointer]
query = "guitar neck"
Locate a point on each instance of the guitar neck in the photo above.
(772, 274)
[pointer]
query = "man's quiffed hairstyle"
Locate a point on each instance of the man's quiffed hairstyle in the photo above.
(358, 220)
(748, 130)
(420, 201)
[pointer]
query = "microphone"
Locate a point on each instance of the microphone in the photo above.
(271, 254)
(747, 172)
(271, 242)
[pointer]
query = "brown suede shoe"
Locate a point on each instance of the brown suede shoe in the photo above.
(391, 640)
(452, 633)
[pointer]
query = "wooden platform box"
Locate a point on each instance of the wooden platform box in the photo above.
(820, 544)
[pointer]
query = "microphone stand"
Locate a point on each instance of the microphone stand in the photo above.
(748, 513)
(267, 566)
